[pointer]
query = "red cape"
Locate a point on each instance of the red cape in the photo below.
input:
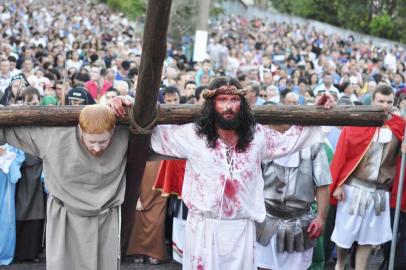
(170, 177)
(352, 146)
(394, 191)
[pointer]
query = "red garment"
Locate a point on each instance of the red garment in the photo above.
(351, 148)
(170, 177)
(94, 90)
(394, 191)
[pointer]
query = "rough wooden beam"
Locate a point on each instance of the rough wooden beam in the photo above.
(149, 78)
(152, 59)
(181, 114)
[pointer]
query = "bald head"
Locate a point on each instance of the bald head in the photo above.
(122, 87)
(291, 99)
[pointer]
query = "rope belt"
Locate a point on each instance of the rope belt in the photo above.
(135, 128)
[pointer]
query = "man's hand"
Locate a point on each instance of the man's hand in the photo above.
(326, 100)
(315, 228)
(2, 151)
(403, 148)
(118, 105)
(339, 193)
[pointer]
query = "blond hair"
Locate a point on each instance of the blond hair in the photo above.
(96, 119)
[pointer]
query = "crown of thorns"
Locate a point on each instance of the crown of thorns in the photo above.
(225, 89)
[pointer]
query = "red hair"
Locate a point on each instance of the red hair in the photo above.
(96, 119)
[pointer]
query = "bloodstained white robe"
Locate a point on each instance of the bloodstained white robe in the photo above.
(223, 190)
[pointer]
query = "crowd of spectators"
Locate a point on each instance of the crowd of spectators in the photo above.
(63, 45)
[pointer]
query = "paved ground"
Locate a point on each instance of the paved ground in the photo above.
(374, 263)
(125, 266)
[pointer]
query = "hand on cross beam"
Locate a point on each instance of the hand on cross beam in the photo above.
(118, 104)
(326, 100)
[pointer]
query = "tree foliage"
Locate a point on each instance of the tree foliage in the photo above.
(381, 18)
(383, 26)
(183, 14)
(131, 8)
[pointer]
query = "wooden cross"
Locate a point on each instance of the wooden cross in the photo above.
(152, 58)
(182, 114)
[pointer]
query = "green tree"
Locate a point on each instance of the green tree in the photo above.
(320, 10)
(376, 17)
(131, 8)
(183, 14)
(353, 14)
(383, 26)
(283, 5)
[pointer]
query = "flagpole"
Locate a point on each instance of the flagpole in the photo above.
(397, 211)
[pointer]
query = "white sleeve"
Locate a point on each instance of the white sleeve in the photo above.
(295, 138)
(171, 140)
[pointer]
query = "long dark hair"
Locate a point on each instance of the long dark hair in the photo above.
(206, 123)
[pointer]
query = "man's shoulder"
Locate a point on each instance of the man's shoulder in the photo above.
(51, 128)
(189, 128)
(49, 133)
(260, 129)
(184, 128)
(61, 130)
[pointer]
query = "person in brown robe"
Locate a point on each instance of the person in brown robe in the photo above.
(147, 240)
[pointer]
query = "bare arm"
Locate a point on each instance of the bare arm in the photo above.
(317, 225)
(322, 197)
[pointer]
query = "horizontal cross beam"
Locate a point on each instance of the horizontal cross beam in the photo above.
(181, 114)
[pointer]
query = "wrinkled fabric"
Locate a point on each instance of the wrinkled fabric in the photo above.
(365, 194)
(6, 160)
(218, 188)
(30, 197)
(222, 184)
(270, 258)
(7, 205)
(83, 188)
(369, 229)
(82, 242)
(148, 233)
(215, 244)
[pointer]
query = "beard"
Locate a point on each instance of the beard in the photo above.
(96, 154)
(228, 124)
